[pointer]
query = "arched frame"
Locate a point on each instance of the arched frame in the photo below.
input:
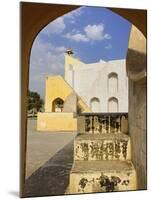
(113, 104)
(57, 105)
(31, 24)
(112, 82)
(95, 104)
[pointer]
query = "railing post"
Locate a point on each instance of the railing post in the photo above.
(109, 129)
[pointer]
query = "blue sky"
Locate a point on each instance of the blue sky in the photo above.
(93, 33)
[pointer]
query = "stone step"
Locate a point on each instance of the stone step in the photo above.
(102, 176)
(102, 147)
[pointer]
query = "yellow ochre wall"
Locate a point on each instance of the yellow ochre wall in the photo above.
(55, 87)
(56, 122)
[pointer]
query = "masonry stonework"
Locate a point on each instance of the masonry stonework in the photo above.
(136, 70)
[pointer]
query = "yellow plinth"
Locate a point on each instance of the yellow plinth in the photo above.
(56, 122)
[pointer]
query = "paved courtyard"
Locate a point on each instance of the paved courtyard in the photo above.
(41, 146)
(49, 160)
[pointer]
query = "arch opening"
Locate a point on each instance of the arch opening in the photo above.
(57, 105)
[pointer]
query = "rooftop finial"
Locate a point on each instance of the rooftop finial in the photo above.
(69, 51)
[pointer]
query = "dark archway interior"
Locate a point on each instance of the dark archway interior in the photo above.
(57, 105)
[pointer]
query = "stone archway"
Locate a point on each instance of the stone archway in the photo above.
(34, 17)
(136, 66)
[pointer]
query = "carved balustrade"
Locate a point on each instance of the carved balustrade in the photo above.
(97, 123)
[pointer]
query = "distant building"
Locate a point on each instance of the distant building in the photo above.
(103, 86)
(96, 87)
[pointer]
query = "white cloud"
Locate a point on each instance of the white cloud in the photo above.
(45, 59)
(94, 32)
(90, 33)
(78, 37)
(107, 36)
(75, 13)
(60, 49)
(72, 16)
(44, 54)
(109, 46)
(57, 26)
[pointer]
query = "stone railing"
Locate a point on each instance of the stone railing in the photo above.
(95, 123)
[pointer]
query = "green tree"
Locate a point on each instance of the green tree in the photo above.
(34, 101)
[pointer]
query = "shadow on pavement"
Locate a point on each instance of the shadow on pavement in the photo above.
(53, 177)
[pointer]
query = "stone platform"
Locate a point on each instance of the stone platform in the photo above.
(102, 147)
(102, 176)
(102, 155)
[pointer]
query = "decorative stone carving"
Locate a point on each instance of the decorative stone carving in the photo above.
(105, 123)
(115, 149)
(82, 151)
(104, 183)
(109, 184)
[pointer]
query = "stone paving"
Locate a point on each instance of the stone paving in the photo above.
(41, 146)
(53, 177)
(49, 161)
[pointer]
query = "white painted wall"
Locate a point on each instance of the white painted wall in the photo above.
(92, 80)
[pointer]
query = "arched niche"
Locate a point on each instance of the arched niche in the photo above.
(57, 105)
(113, 83)
(95, 104)
(113, 104)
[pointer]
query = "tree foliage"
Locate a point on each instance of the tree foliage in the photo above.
(34, 101)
